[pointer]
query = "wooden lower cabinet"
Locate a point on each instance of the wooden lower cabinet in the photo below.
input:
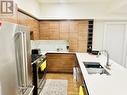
(61, 62)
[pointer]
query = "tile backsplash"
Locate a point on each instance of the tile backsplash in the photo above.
(50, 45)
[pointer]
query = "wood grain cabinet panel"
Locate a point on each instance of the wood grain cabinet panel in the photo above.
(64, 36)
(54, 35)
(30, 22)
(61, 62)
(54, 25)
(22, 19)
(73, 26)
(12, 19)
(64, 26)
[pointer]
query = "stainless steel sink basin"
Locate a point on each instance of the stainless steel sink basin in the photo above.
(95, 68)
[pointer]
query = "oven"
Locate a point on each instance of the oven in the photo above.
(39, 73)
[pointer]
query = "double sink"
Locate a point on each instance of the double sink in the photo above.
(95, 68)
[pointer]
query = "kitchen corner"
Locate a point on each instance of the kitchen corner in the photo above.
(63, 47)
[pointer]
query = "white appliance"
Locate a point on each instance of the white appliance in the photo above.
(15, 60)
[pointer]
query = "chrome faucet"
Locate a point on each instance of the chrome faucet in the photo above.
(107, 63)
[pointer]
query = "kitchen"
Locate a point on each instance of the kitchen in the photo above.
(73, 48)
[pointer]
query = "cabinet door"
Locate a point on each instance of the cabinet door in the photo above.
(114, 41)
(60, 62)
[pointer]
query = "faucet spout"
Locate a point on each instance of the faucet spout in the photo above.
(107, 54)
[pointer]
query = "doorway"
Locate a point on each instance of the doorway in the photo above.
(115, 39)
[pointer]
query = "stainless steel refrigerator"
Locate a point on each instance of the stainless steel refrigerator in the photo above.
(15, 60)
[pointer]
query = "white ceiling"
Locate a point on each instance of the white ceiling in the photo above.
(74, 1)
(113, 7)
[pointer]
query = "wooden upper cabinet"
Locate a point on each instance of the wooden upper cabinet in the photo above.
(54, 26)
(44, 30)
(64, 36)
(64, 26)
(75, 32)
(21, 19)
(54, 30)
(12, 19)
(73, 26)
(31, 23)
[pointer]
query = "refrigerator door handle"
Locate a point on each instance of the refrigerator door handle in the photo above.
(24, 59)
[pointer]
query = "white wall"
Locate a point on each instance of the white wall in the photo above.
(30, 6)
(98, 34)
